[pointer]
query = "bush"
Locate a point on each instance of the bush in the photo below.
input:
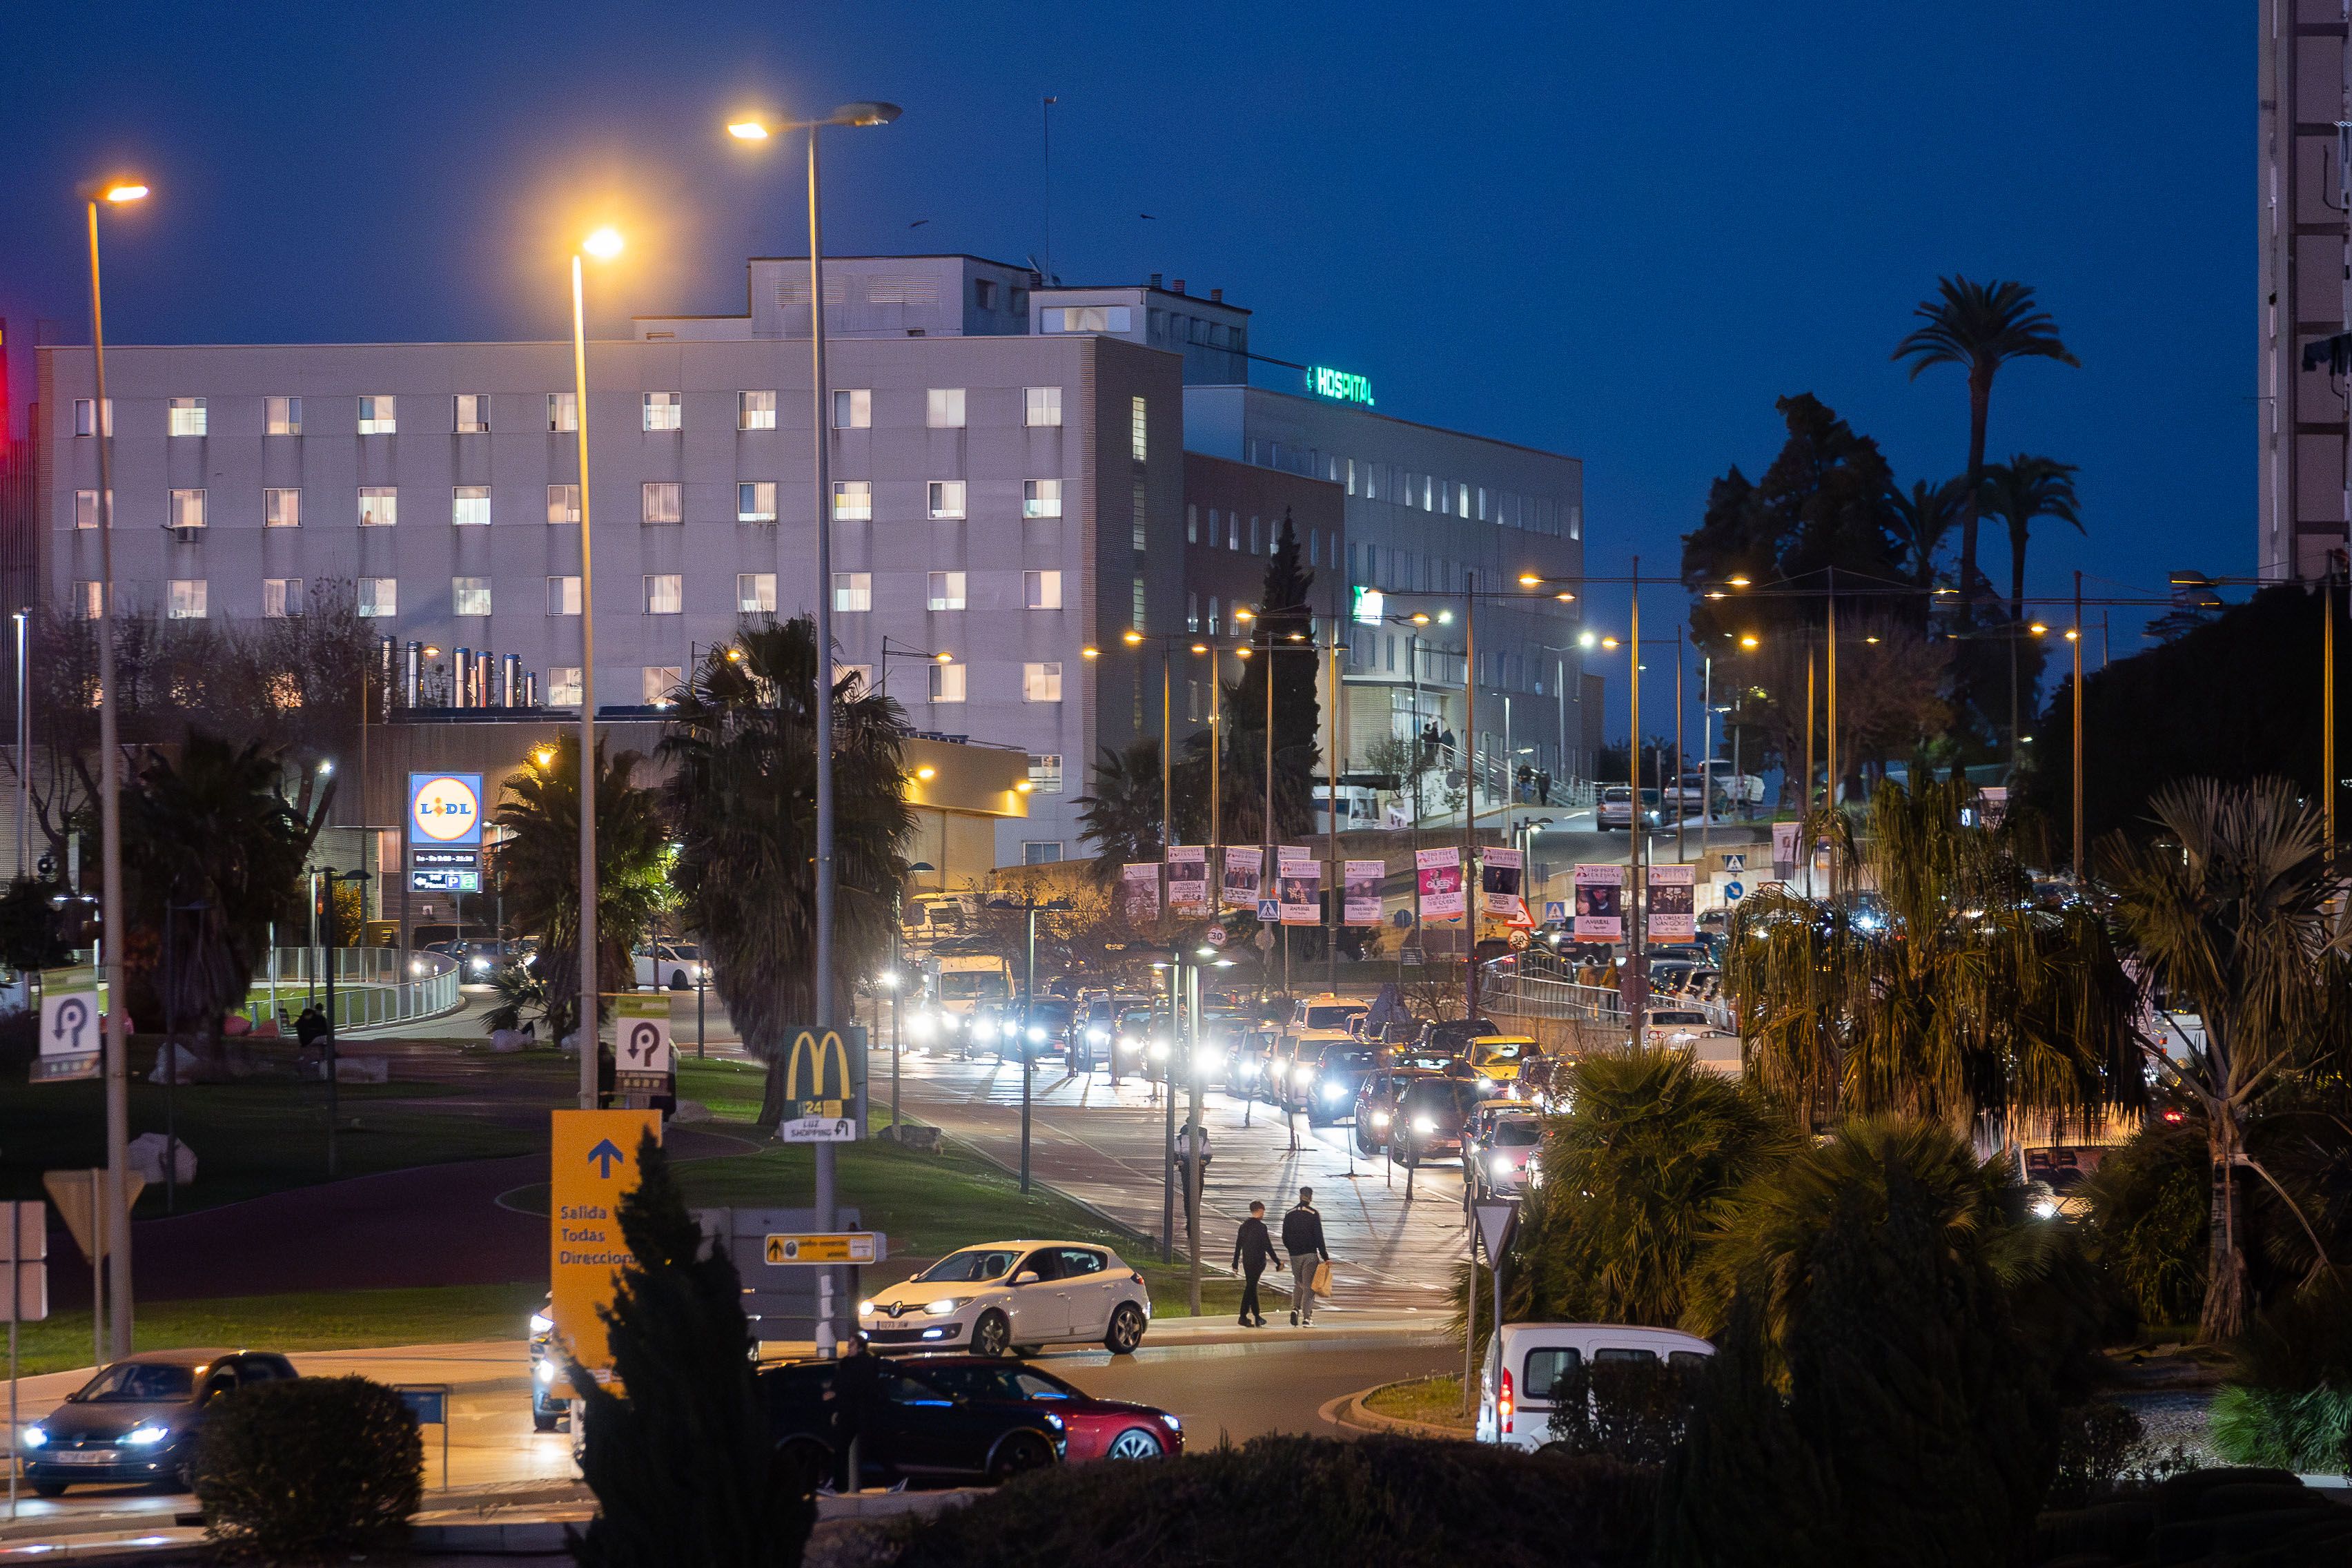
(293, 1470)
(1399, 1502)
(2290, 1402)
(2149, 1203)
(1632, 1412)
(2103, 1450)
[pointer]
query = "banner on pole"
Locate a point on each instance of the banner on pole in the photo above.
(1188, 877)
(1297, 886)
(1501, 876)
(1784, 847)
(1600, 903)
(1363, 900)
(1440, 871)
(1138, 886)
(70, 1042)
(1242, 864)
(1673, 903)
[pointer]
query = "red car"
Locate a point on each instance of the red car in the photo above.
(1096, 1429)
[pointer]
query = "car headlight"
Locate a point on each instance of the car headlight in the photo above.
(2044, 1208)
(1097, 1036)
(1501, 1165)
(865, 1308)
(1159, 1050)
(1053, 1421)
(1126, 1042)
(983, 1031)
(944, 1305)
(542, 1323)
(1331, 1091)
(544, 1369)
(1424, 1125)
(1173, 1424)
(36, 1437)
(1379, 1119)
(147, 1435)
(1036, 1036)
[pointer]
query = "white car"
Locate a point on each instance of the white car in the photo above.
(1690, 1029)
(1013, 1297)
(672, 966)
(1516, 1387)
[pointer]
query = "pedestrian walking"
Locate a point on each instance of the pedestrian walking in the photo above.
(1253, 1250)
(1302, 1237)
(856, 1386)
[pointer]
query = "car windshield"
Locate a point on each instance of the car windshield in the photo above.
(971, 984)
(1350, 1058)
(1517, 1134)
(1678, 1016)
(1442, 1097)
(1619, 795)
(1053, 1015)
(996, 1383)
(1330, 1018)
(1505, 1050)
(138, 1381)
(970, 1266)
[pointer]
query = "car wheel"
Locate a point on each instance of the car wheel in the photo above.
(991, 1335)
(808, 1462)
(540, 1422)
(1135, 1443)
(48, 1489)
(677, 981)
(1018, 1451)
(1126, 1331)
(1027, 1352)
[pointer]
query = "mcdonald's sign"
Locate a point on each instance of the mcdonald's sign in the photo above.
(823, 1071)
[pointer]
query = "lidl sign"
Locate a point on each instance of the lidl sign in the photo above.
(446, 808)
(1338, 385)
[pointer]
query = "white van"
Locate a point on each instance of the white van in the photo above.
(1515, 1409)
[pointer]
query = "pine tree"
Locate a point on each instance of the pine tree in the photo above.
(682, 1464)
(1283, 611)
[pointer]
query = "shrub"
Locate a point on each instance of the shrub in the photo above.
(2148, 1203)
(1632, 1412)
(2103, 1450)
(2290, 1402)
(292, 1470)
(1399, 1502)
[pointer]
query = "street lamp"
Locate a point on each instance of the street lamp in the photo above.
(117, 1228)
(329, 876)
(603, 244)
(754, 131)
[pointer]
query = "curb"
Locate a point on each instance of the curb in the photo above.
(1350, 1414)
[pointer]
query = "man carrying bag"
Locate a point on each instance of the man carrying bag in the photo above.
(1310, 1260)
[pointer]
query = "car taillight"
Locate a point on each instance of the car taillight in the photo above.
(1502, 1403)
(1136, 1278)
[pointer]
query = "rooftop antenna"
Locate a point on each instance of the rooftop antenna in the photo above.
(1046, 110)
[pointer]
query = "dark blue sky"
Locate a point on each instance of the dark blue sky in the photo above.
(1616, 231)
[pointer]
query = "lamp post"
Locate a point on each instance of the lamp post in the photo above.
(902, 651)
(604, 243)
(116, 1065)
(328, 876)
(754, 131)
(1029, 908)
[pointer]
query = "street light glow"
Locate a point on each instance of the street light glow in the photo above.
(1751, 640)
(747, 130)
(1529, 580)
(2037, 628)
(544, 756)
(944, 656)
(1738, 582)
(1586, 639)
(127, 192)
(1130, 639)
(1421, 617)
(927, 772)
(1089, 651)
(603, 244)
(1445, 617)
(1609, 642)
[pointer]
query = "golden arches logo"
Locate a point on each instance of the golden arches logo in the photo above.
(816, 1044)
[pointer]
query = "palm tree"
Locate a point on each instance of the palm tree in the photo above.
(2227, 908)
(1981, 327)
(2021, 492)
(1122, 814)
(213, 843)
(1955, 998)
(541, 862)
(743, 740)
(1924, 517)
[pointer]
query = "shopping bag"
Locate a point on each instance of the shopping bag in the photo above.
(1321, 1283)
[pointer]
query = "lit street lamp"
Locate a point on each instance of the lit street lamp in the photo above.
(603, 244)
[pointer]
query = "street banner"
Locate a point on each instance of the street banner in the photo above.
(1396, 816)
(1600, 903)
(822, 1075)
(1440, 871)
(1501, 873)
(1673, 895)
(1299, 883)
(1138, 890)
(641, 1062)
(1242, 864)
(1992, 805)
(1784, 847)
(593, 1165)
(1188, 877)
(1363, 900)
(70, 1038)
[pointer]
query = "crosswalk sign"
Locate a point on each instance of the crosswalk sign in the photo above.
(1270, 912)
(1555, 910)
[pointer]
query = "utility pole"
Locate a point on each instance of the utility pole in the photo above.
(1637, 907)
(2076, 637)
(1470, 877)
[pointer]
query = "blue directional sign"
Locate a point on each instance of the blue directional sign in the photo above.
(1733, 892)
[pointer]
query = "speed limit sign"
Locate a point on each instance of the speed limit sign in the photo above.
(1216, 936)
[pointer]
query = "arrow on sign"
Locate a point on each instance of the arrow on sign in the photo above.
(776, 1250)
(73, 1017)
(605, 1157)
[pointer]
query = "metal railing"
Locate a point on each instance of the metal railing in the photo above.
(370, 987)
(1527, 995)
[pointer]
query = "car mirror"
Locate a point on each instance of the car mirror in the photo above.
(1026, 1276)
(216, 1387)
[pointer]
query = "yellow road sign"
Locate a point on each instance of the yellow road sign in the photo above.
(593, 1165)
(827, 1247)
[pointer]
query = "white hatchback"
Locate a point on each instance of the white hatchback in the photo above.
(1013, 1297)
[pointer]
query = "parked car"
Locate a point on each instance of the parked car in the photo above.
(1095, 1429)
(916, 1430)
(1675, 1025)
(1430, 1117)
(1324, 1078)
(1001, 1295)
(139, 1419)
(1524, 1364)
(668, 966)
(1499, 1155)
(1616, 810)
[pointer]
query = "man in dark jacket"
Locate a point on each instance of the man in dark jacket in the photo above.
(857, 1388)
(1253, 1248)
(1302, 1237)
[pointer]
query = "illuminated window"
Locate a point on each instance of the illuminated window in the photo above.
(469, 596)
(281, 417)
(379, 415)
(473, 413)
(755, 411)
(665, 411)
(945, 590)
(852, 501)
(1041, 405)
(186, 416)
(86, 416)
(660, 684)
(1142, 508)
(755, 593)
(1087, 319)
(187, 509)
(86, 508)
(282, 509)
(378, 596)
(1041, 590)
(1041, 497)
(1191, 611)
(379, 506)
(755, 501)
(563, 595)
(665, 593)
(1041, 683)
(853, 593)
(664, 501)
(564, 686)
(564, 503)
(943, 408)
(1138, 622)
(185, 599)
(563, 416)
(852, 408)
(1192, 524)
(86, 600)
(281, 597)
(469, 506)
(946, 498)
(947, 682)
(1045, 772)
(1136, 428)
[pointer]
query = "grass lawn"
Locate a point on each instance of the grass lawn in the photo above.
(308, 1321)
(1434, 1400)
(267, 1134)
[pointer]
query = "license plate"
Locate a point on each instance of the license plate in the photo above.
(84, 1457)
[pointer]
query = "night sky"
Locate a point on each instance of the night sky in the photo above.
(1615, 231)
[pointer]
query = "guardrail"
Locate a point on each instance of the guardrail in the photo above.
(370, 987)
(1538, 997)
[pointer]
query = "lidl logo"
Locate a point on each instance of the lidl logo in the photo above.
(446, 808)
